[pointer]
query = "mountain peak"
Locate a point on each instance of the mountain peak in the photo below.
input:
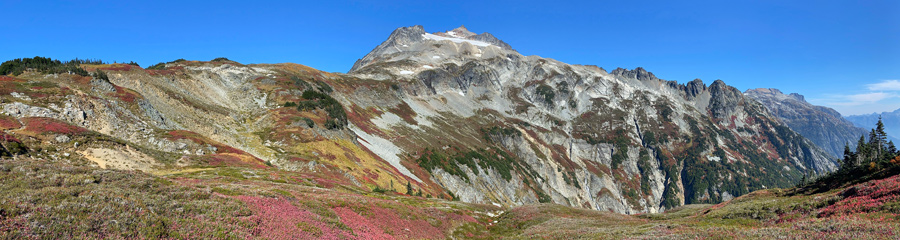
(798, 97)
(414, 43)
(638, 73)
(460, 32)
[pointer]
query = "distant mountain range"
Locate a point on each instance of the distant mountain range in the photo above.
(891, 122)
(822, 125)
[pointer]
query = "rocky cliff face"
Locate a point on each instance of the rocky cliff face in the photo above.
(822, 125)
(453, 115)
(493, 126)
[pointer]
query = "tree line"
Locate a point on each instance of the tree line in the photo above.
(872, 152)
(46, 65)
(874, 158)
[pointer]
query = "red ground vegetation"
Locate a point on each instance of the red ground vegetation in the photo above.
(125, 94)
(8, 138)
(49, 125)
(277, 218)
(231, 160)
(866, 197)
(405, 112)
(7, 122)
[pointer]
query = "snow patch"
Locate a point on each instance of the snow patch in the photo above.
(456, 40)
(406, 72)
(384, 149)
(427, 67)
(389, 119)
(435, 57)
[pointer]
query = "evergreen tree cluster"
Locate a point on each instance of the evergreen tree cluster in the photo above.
(874, 158)
(158, 66)
(872, 151)
(46, 65)
(162, 65)
(337, 118)
(101, 75)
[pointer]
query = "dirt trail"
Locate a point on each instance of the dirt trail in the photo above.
(126, 159)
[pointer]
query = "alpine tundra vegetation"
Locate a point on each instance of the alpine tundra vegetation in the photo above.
(431, 135)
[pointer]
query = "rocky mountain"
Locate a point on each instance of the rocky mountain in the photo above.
(822, 125)
(452, 115)
(891, 122)
(528, 129)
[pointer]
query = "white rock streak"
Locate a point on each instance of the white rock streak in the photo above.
(384, 149)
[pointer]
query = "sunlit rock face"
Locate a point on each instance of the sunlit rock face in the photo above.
(493, 126)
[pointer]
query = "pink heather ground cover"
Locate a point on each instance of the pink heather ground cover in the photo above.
(865, 197)
(279, 219)
(363, 228)
(43, 125)
(7, 122)
(381, 223)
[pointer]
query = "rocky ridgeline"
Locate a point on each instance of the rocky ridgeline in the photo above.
(452, 115)
(822, 125)
(623, 141)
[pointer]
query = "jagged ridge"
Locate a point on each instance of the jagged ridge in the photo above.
(822, 125)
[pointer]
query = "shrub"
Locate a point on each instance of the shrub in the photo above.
(338, 118)
(225, 191)
(546, 92)
(331, 124)
(221, 59)
(324, 87)
(380, 190)
(11, 146)
(98, 74)
(158, 66)
(309, 122)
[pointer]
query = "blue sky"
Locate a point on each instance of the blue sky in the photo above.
(842, 54)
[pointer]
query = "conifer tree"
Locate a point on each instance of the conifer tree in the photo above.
(880, 138)
(891, 149)
(848, 157)
(861, 151)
